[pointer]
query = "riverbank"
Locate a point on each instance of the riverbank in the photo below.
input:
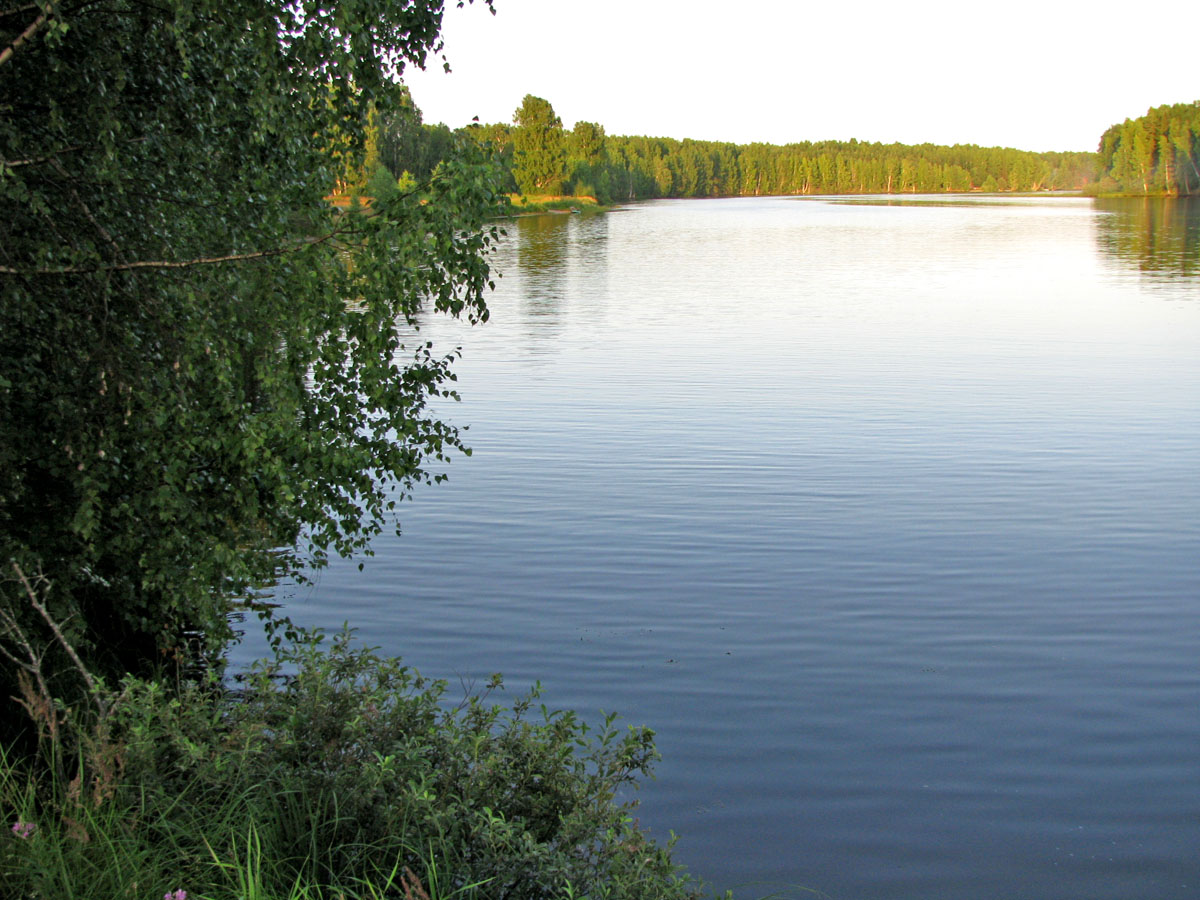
(353, 777)
(1108, 189)
(522, 204)
(535, 204)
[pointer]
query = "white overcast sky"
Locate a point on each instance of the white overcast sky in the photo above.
(1045, 75)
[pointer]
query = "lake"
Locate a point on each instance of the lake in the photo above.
(883, 512)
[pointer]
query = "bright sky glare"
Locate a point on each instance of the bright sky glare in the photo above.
(1030, 74)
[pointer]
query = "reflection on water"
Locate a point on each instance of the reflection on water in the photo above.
(542, 259)
(947, 200)
(1159, 237)
(552, 254)
(885, 517)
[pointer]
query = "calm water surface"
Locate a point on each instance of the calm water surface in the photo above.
(885, 515)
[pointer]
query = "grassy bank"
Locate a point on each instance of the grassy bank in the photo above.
(330, 772)
(530, 204)
(522, 205)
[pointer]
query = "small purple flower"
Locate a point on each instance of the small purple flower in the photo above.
(23, 829)
(176, 895)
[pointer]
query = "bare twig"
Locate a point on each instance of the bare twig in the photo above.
(172, 264)
(50, 157)
(38, 702)
(13, 10)
(104, 232)
(33, 661)
(93, 688)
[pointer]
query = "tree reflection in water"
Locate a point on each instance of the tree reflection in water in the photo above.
(1155, 236)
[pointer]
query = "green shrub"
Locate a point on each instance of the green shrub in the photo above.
(334, 770)
(382, 185)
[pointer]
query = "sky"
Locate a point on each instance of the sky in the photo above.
(1046, 75)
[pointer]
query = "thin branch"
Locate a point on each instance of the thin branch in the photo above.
(104, 232)
(34, 28)
(13, 630)
(4, 14)
(51, 157)
(93, 688)
(170, 264)
(40, 708)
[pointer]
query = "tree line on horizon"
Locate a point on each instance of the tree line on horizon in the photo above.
(1158, 153)
(544, 158)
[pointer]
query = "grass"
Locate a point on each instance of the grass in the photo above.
(533, 204)
(330, 772)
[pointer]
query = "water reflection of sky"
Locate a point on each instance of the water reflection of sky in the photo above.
(885, 517)
(1154, 236)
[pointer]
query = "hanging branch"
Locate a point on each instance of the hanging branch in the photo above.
(104, 232)
(175, 264)
(50, 157)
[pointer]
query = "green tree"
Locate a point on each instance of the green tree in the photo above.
(641, 167)
(208, 376)
(1143, 155)
(402, 144)
(1155, 153)
(585, 145)
(539, 148)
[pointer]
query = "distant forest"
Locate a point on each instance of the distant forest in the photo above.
(1158, 153)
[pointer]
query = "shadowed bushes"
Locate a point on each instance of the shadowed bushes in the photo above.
(330, 771)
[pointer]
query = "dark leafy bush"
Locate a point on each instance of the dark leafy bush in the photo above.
(333, 767)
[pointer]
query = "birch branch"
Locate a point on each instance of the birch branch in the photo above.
(93, 688)
(51, 157)
(173, 264)
(34, 27)
(4, 14)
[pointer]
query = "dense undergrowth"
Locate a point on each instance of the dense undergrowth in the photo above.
(328, 771)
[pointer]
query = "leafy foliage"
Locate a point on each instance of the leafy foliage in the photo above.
(208, 374)
(337, 769)
(539, 147)
(1158, 153)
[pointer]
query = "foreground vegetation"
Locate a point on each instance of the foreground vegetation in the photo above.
(210, 377)
(329, 772)
(191, 406)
